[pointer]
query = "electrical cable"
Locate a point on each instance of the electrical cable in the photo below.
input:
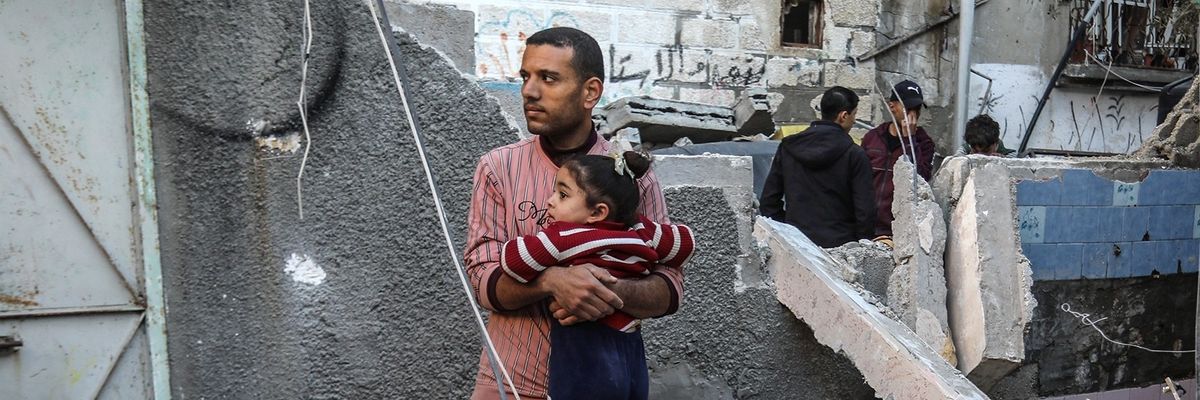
(388, 47)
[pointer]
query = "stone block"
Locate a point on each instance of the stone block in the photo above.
(597, 24)
(861, 43)
(751, 35)
(855, 13)
(710, 33)
(917, 287)
(836, 42)
(752, 114)
(511, 23)
(892, 359)
(988, 278)
(787, 71)
(646, 28)
(853, 77)
(738, 70)
(715, 97)
(696, 6)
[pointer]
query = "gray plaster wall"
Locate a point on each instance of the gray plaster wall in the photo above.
(389, 320)
(727, 344)
(1155, 312)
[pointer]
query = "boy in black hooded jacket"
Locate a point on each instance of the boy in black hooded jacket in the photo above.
(820, 181)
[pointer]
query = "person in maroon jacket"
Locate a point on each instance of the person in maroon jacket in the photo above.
(888, 142)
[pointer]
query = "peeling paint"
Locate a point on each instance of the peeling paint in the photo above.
(284, 144)
(304, 270)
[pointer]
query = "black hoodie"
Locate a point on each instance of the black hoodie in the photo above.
(820, 182)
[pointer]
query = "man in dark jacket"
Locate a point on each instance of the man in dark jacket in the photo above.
(820, 181)
(887, 142)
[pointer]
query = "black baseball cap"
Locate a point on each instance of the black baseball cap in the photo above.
(910, 94)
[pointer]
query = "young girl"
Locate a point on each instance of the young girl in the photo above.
(595, 221)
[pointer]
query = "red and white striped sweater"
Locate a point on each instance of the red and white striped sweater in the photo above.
(625, 253)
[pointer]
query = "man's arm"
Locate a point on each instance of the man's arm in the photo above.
(862, 193)
(925, 150)
(771, 201)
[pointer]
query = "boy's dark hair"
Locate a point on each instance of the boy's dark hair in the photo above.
(587, 60)
(835, 100)
(597, 177)
(982, 132)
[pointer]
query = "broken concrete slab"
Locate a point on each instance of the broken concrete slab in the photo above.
(752, 113)
(665, 121)
(917, 286)
(989, 280)
(735, 177)
(1178, 138)
(872, 260)
(893, 360)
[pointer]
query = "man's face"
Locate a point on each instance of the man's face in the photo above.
(846, 119)
(555, 98)
(901, 115)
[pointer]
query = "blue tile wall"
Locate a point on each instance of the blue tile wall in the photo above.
(1055, 261)
(1120, 260)
(1084, 226)
(1170, 188)
(1031, 223)
(1095, 260)
(1039, 193)
(1135, 223)
(1171, 222)
(1144, 259)
(1084, 188)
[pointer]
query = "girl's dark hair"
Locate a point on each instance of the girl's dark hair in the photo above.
(597, 177)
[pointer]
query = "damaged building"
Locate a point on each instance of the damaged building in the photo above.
(251, 219)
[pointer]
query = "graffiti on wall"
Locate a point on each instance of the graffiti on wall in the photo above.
(631, 69)
(1073, 119)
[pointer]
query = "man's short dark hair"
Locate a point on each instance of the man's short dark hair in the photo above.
(835, 100)
(982, 132)
(587, 61)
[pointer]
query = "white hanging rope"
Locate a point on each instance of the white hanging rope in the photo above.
(495, 357)
(301, 105)
(1086, 319)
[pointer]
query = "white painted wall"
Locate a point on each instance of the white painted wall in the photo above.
(1074, 119)
(693, 50)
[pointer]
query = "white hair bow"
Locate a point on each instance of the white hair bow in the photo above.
(620, 166)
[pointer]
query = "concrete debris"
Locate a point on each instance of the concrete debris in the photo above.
(892, 359)
(874, 264)
(666, 121)
(1178, 138)
(752, 113)
(916, 289)
(988, 278)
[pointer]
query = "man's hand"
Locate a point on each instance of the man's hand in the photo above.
(563, 316)
(580, 291)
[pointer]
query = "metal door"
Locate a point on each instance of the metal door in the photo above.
(80, 305)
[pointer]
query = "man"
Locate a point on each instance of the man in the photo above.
(982, 136)
(888, 141)
(563, 74)
(820, 181)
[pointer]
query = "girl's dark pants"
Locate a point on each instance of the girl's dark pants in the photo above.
(593, 361)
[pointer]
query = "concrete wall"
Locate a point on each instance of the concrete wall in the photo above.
(704, 51)
(1094, 233)
(358, 299)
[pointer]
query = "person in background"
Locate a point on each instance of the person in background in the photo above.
(889, 141)
(983, 137)
(820, 181)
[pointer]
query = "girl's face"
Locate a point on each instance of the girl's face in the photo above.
(568, 203)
